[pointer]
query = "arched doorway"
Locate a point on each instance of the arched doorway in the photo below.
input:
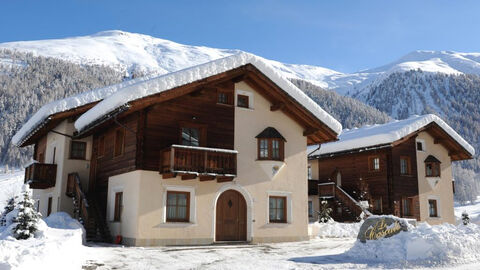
(231, 217)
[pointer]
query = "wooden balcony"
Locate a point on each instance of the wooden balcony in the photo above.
(326, 190)
(203, 162)
(41, 175)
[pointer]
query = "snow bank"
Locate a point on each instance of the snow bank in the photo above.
(334, 229)
(424, 245)
(52, 248)
(372, 135)
(189, 75)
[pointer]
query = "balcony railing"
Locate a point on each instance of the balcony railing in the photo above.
(199, 160)
(41, 175)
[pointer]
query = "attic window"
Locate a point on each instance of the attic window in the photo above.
(243, 101)
(271, 145)
(432, 166)
(224, 97)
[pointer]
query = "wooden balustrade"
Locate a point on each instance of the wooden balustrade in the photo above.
(41, 175)
(74, 189)
(331, 190)
(326, 190)
(198, 160)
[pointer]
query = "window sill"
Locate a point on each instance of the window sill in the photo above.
(278, 224)
(244, 108)
(175, 224)
(224, 104)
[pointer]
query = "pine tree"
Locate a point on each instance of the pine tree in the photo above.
(465, 218)
(8, 208)
(324, 212)
(27, 218)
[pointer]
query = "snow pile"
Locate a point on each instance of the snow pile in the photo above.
(375, 135)
(169, 81)
(52, 248)
(334, 229)
(424, 245)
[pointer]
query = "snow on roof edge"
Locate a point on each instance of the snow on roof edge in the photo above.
(68, 103)
(168, 81)
(369, 135)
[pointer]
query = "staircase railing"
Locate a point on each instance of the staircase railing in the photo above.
(330, 189)
(88, 214)
(74, 190)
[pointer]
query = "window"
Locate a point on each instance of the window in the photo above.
(178, 206)
(119, 142)
(432, 169)
(101, 147)
(420, 145)
(78, 150)
(243, 101)
(270, 149)
(190, 136)
(377, 205)
(310, 208)
(407, 207)
(374, 163)
(277, 209)
(432, 208)
(404, 165)
(49, 208)
(117, 214)
(270, 144)
(224, 97)
(309, 172)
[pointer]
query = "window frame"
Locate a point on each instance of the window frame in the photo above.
(371, 163)
(374, 208)
(177, 220)
(116, 139)
(408, 164)
(202, 132)
(84, 154)
(270, 149)
(407, 201)
(245, 98)
(118, 206)
(435, 203)
(435, 167)
(228, 97)
(276, 197)
(421, 142)
(310, 209)
(101, 146)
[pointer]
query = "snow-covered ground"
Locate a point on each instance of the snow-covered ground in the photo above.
(57, 245)
(472, 209)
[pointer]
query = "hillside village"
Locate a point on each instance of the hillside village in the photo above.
(228, 153)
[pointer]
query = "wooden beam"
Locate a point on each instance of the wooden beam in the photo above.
(168, 175)
(188, 176)
(277, 106)
(221, 179)
(310, 131)
(438, 140)
(238, 78)
(207, 177)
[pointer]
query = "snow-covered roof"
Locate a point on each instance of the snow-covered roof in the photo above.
(66, 104)
(374, 135)
(168, 81)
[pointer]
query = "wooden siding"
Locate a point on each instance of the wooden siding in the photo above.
(163, 122)
(352, 167)
(405, 185)
(387, 183)
(108, 165)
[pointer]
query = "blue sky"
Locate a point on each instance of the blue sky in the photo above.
(342, 35)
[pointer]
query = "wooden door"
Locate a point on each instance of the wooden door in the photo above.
(231, 217)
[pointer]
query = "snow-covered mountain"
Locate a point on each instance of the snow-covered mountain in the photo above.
(137, 53)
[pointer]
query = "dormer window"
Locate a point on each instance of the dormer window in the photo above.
(270, 145)
(432, 166)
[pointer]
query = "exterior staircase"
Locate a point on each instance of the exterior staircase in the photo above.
(344, 207)
(87, 211)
